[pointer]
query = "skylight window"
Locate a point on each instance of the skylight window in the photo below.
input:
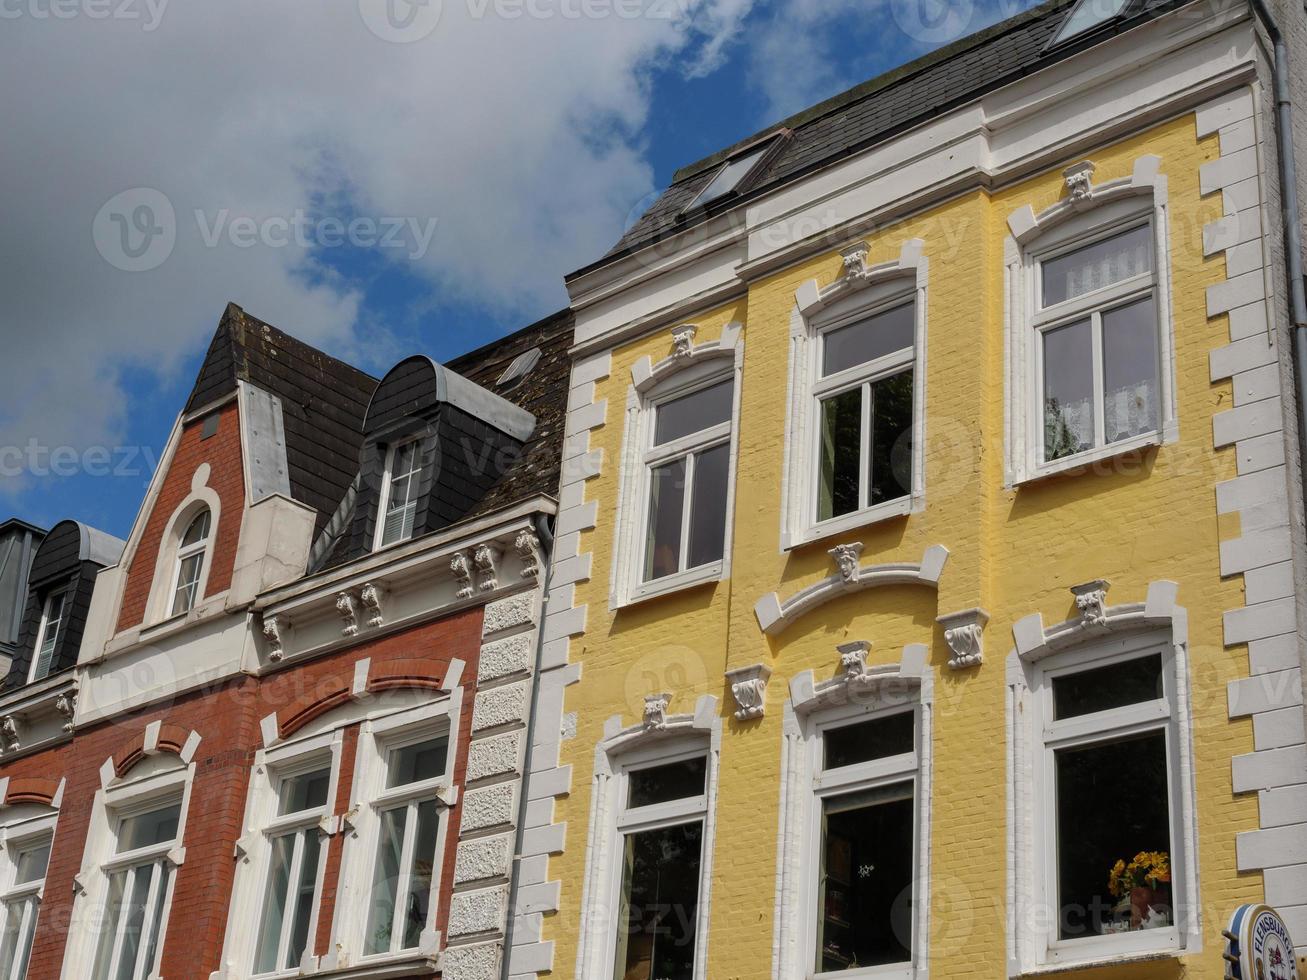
(732, 176)
(1089, 14)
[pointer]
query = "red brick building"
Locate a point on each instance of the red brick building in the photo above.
(280, 729)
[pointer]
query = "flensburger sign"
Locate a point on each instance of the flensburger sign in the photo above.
(1258, 947)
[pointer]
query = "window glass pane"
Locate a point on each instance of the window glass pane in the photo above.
(708, 505)
(197, 530)
(305, 791)
(385, 881)
(147, 829)
(659, 904)
(1103, 688)
(417, 763)
(694, 412)
(891, 438)
(1090, 13)
(134, 923)
(662, 553)
(1130, 390)
(274, 903)
(16, 937)
(417, 907)
(863, 341)
(864, 911)
(305, 893)
(31, 864)
(1068, 390)
(660, 784)
(1113, 806)
(841, 454)
(188, 580)
(1100, 264)
(864, 741)
(729, 177)
(164, 871)
(50, 627)
(113, 913)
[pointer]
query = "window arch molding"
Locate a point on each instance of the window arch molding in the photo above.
(1087, 213)
(201, 497)
(1100, 636)
(660, 736)
(860, 291)
(858, 692)
(689, 367)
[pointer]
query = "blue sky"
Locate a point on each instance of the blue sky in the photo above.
(105, 358)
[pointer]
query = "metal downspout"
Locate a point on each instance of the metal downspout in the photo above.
(546, 538)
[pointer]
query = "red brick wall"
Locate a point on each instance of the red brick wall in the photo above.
(227, 719)
(222, 452)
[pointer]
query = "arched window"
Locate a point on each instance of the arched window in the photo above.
(190, 563)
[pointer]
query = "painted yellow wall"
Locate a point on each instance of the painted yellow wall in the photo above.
(1012, 552)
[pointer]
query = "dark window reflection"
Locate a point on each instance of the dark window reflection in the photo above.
(660, 903)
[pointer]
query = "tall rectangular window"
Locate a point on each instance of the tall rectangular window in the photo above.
(20, 903)
(291, 891)
(865, 401)
(1097, 323)
(865, 787)
(400, 493)
(140, 878)
(404, 870)
(52, 617)
(661, 829)
(688, 469)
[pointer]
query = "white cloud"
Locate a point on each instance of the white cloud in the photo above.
(518, 135)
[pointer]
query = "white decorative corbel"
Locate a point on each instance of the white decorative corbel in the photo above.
(1091, 600)
(485, 558)
(655, 711)
(371, 598)
(9, 729)
(749, 688)
(348, 614)
(349, 820)
(462, 570)
(1079, 179)
(853, 661)
(79, 883)
(855, 260)
(846, 558)
(963, 632)
(447, 794)
(527, 546)
(683, 339)
(66, 705)
(272, 631)
(244, 847)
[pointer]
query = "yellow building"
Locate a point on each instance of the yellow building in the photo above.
(923, 598)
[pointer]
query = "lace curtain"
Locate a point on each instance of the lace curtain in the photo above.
(1127, 412)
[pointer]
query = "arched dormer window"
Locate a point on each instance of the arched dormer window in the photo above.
(399, 493)
(52, 619)
(678, 467)
(191, 553)
(1089, 347)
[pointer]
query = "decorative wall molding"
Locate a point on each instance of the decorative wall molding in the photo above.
(1091, 600)
(646, 375)
(272, 633)
(371, 597)
(964, 634)
(527, 546)
(462, 572)
(348, 614)
(655, 711)
(775, 615)
(749, 689)
(486, 560)
(858, 682)
(1034, 640)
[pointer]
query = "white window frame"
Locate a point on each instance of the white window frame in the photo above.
(860, 292)
(1103, 635)
(639, 746)
(1073, 223)
(255, 848)
(21, 831)
(157, 781)
(700, 366)
(64, 594)
(185, 552)
(388, 476)
(378, 737)
(163, 586)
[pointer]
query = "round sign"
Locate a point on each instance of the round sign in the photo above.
(1258, 946)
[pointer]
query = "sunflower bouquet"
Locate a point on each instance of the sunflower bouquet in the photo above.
(1148, 869)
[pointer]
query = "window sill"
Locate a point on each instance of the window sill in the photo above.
(889, 510)
(890, 971)
(1101, 959)
(403, 965)
(1092, 457)
(669, 584)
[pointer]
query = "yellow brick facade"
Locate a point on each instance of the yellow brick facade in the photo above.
(1148, 517)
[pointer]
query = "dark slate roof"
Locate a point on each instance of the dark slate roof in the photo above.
(322, 402)
(881, 108)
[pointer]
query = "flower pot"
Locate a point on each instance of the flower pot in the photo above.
(1141, 898)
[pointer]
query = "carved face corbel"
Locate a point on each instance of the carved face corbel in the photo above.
(683, 339)
(655, 711)
(1080, 182)
(846, 558)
